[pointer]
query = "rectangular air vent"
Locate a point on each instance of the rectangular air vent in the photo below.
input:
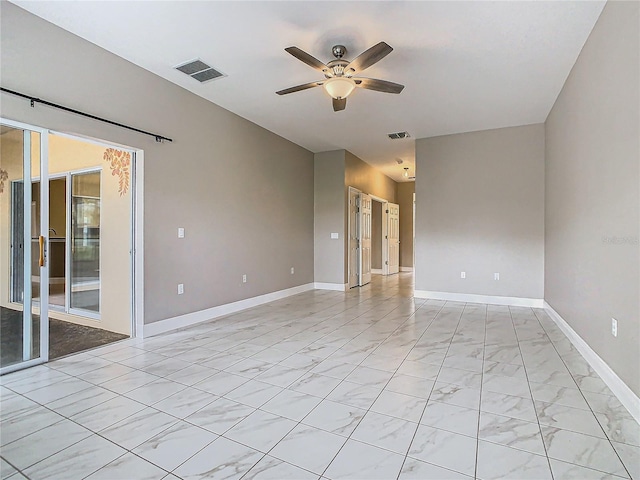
(398, 135)
(199, 71)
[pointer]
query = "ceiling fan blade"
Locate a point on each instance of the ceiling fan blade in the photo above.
(378, 85)
(306, 58)
(369, 57)
(339, 104)
(299, 88)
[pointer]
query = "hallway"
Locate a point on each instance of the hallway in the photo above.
(366, 384)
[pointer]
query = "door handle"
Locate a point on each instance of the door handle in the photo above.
(41, 240)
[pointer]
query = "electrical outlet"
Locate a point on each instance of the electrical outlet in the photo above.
(292, 271)
(244, 279)
(180, 288)
(180, 232)
(614, 327)
(463, 274)
(496, 276)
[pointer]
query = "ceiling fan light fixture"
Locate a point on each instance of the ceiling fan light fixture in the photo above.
(339, 87)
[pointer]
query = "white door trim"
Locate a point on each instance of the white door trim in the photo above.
(137, 260)
(378, 199)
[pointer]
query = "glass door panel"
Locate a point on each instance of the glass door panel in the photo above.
(85, 241)
(57, 242)
(23, 246)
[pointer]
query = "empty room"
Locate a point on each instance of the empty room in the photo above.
(319, 240)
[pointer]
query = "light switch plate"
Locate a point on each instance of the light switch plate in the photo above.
(334, 236)
(180, 232)
(180, 288)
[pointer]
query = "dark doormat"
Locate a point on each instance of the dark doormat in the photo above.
(64, 338)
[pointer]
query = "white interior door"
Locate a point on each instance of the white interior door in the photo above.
(353, 243)
(393, 236)
(365, 238)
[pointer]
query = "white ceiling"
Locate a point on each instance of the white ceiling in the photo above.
(466, 65)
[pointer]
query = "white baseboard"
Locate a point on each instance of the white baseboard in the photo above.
(181, 321)
(620, 389)
(406, 269)
(473, 298)
(340, 287)
(376, 271)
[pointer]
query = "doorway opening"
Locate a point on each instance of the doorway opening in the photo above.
(373, 237)
(66, 245)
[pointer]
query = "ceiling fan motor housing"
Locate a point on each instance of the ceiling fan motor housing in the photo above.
(339, 51)
(336, 68)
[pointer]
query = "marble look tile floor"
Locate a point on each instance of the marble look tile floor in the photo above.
(368, 384)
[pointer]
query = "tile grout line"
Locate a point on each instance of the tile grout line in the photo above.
(15, 468)
(484, 351)
(524, 367)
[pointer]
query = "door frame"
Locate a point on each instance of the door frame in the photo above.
(385, 240)
(136, 241)
(136, 271)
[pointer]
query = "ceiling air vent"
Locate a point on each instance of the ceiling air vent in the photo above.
(398, 135)
(199, 71)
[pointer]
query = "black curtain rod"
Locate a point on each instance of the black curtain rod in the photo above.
(159, 138)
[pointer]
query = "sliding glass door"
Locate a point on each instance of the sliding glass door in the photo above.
(24, 228)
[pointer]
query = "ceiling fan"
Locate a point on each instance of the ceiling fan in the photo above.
(339, 73)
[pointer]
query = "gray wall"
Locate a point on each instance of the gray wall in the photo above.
(480, 209)
(243, 194)
(405, 200)
(329, 213)
(592, 193)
